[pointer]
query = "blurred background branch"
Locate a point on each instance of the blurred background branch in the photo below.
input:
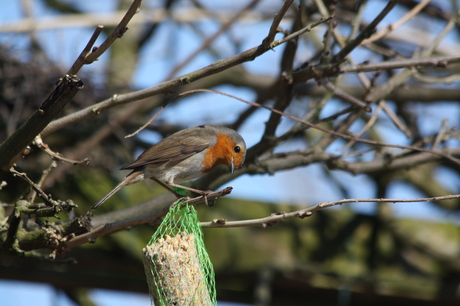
(396, 59)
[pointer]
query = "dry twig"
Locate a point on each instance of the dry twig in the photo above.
(275, 218)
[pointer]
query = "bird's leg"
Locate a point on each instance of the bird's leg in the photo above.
(202, 192)
(167, 188)
(172, 184)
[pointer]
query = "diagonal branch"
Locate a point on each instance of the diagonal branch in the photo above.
(10, 149)
(150, 218)
(276, 21)
(343, 95)
(168, 86)
(331, 132)
(367, 32)
(87, 57)
(65, 90)
(224, 27)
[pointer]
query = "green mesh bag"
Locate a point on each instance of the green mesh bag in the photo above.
(178, 269)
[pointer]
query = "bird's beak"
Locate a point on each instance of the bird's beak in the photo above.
(232, 167)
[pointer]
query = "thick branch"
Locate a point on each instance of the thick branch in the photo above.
(66, 89)
(151, 218)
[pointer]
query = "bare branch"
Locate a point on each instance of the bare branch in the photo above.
(86, 57)
(415, 10)
(343, 95)
(150, 218)
(33, 193)
(317, 127)
(81, 60)
(10, 149)
(364, 33)
(276, 21)
(34, 186)
(170, 85)
(55, 155)
(224, 27)
(275, 218)
(441, 61)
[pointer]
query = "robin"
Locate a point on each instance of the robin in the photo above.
(185, 155)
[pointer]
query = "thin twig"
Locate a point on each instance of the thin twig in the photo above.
(57, 156)
(368, 125)
(436, 79)
(362, 77)
(396, 119)
(343, 95)
(440, 135)
(414, 11)
(33, 193)
(96, 138)
(145, 125)
(170, 85)
(34, 186)
(317, 127)
(441, 61)
(277, 217)
(276, 22)
(224, 27)
(80, 61)
(400, 78)
(364, 33)
(87, 57)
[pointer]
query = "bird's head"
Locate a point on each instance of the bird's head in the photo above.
(229, 149)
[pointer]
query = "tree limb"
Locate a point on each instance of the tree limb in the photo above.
(65, 90)
(281, 216)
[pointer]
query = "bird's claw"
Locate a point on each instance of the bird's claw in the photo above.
(205, 197)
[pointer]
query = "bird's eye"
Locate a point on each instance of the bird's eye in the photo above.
(237, 149)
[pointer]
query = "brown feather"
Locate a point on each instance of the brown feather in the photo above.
(176, 147)
(222, 145)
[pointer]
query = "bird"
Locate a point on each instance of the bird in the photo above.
(183, 156)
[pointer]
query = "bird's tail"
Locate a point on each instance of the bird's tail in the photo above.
(131, 178)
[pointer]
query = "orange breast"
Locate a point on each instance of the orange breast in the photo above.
(219, 154)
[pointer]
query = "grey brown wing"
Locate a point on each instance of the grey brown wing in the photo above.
(177, 147)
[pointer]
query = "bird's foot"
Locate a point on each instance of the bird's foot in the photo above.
(205, 194)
